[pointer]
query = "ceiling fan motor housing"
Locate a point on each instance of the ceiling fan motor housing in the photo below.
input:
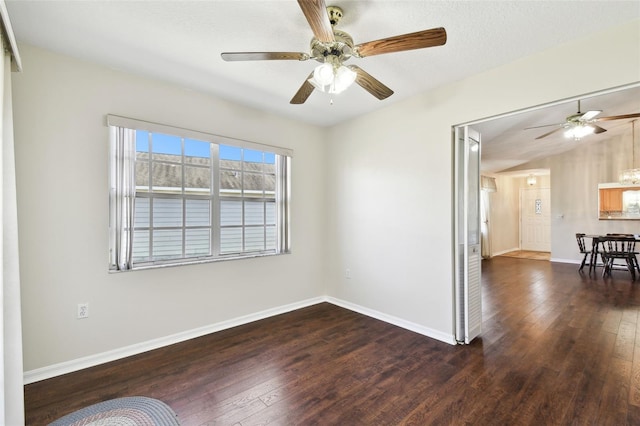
(337, 52)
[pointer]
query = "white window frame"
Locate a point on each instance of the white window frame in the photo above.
(122, 209)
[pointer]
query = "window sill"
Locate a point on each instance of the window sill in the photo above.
(197, 261)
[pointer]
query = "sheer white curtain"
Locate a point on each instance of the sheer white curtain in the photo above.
(282, 198)
(487, 185)
(122, 195)
(11, 375)
(485, 208)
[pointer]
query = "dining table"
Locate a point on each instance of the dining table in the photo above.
(596, 239)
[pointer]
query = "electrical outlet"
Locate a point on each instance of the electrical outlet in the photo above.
(347, 273)
(83, 310)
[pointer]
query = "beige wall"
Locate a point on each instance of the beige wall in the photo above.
(62, 156)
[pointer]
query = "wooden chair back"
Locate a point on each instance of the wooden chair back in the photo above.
(581, 245)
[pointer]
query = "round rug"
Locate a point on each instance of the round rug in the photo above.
(128, 411)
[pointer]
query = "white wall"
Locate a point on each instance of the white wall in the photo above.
(391, 171)
(62, 156)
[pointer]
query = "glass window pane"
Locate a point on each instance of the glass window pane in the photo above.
(253, 213)
(142, 176)
(230, 240)
(141, 213)
(142, 145)
(270, 168)
(198, 212)
(230, 153)
(252, 156)
(141, 246)
(167, 244)
(230, 183)
(254, 238)
(197, 153)
(269, 158)
(252, 161)
(197, 180)
(230, 213)
(271, 238)
(270, 186)
(167, 178)
(166, 144)
(142, 142)
(197, 242)
(167, 212)
(253, 185)
(271, 213)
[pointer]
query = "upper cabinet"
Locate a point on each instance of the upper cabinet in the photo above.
(618, 202)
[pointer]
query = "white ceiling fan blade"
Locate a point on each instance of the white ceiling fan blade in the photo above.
(589, 115)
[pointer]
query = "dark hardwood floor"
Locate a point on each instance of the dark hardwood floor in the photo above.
(558, 347)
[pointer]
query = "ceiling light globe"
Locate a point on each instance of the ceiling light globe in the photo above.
(323, 74)
(344, 78)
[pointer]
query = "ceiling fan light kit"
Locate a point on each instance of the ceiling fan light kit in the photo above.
(332, 47)
(577, 132)
(581, 124)
(330, 78)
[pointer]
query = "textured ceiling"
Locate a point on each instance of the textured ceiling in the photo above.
(507, 142)
(180, 41)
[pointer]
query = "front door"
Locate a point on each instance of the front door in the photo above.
(535, 219)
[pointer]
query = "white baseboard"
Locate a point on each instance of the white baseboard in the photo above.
(408, 325)
(138, 348)
(48, 372)
(505, 251)
(555, 259)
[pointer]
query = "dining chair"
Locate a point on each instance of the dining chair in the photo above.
(584, 250)
(619, 248)
(635, 253)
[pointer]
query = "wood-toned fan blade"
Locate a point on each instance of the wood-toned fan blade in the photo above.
(597, 129)
(303, 92)
(549, 133)
(370, 84)
(316, 13)
(417, 40)
(618, 117)
(264, 56)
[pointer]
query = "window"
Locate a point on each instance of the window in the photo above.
(180, 196)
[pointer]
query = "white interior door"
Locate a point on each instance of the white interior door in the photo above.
(467, 252)
(535, 219)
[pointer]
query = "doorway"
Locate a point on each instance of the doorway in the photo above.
(514, 142)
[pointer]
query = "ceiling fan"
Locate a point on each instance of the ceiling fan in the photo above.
(332, 47)
(582, 123)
